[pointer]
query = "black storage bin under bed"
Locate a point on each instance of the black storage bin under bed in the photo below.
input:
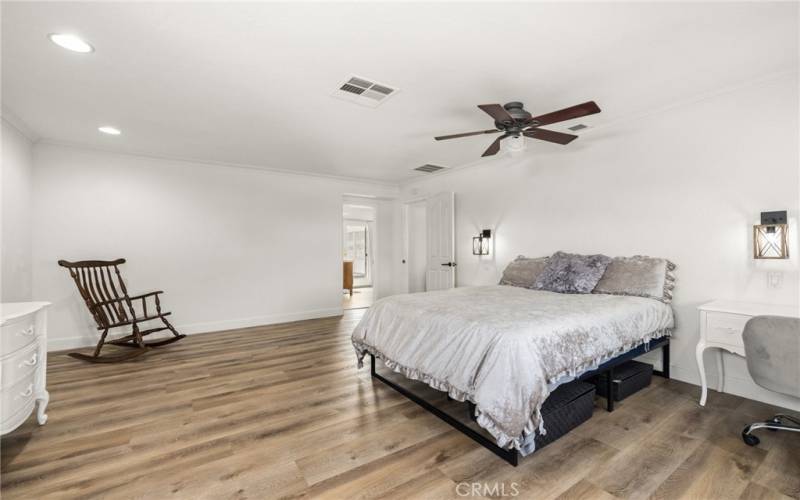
(567, 407)
(628, 378)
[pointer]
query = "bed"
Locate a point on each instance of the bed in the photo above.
(504, 349)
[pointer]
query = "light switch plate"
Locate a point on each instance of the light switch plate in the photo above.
(774, 280)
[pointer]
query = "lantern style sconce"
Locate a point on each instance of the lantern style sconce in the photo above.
(480, 243)
(770, 240)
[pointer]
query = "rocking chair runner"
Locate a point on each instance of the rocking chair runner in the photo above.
(107, 299)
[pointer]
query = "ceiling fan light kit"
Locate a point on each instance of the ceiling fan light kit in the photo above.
(514, 121)
(515, 143)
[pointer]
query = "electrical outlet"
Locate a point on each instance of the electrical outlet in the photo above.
(774, 279)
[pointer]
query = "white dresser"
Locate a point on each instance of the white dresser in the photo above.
(721, 326)
(23, 363)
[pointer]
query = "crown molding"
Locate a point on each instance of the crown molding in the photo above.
(15, 121)
(210, 163)
(701, 97)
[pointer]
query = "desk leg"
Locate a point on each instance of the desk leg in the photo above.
(700, 366)
(720, 371)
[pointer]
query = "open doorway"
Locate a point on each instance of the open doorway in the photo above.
(358, 265)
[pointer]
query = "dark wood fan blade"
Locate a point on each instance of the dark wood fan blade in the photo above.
(466, 134)
(550, 136)
(494, 147)
(587, 108)
(497, 112)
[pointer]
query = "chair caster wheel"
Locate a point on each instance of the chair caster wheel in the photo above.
(750, 440)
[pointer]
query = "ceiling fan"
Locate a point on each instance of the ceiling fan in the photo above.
(513, 121)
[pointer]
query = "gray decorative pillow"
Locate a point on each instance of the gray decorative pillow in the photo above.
(640, 276)
(571, 273)
(523, 271)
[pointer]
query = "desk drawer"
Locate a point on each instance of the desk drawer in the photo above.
(725, 328)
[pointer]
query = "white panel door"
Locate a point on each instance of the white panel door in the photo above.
(440, 214)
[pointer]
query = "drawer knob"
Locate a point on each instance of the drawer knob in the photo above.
(27, 392)
(28, 332)
(30, 362)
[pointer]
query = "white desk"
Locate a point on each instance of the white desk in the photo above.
(721, 326)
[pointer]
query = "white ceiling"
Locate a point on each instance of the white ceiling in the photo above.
(250, 83)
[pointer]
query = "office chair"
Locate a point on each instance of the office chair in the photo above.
(772, 349)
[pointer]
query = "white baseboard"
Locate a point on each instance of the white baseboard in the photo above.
(744, 387)
(734, 383)
(75, 342)
(233, 324)
(739, 386)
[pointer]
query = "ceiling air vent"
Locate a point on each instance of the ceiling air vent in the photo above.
(363, 91)
(429, 169)
(577, 127)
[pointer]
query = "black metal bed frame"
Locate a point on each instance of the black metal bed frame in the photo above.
(510, 455)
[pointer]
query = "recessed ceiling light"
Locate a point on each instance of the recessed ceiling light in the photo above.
(70, 42)
(109, 130)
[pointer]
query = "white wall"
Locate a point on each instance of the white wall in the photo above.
(685, 183)
(15, 249)
(231, 247)
(417, 247)
(388, 248)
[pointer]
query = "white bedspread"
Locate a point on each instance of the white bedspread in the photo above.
(505, 348)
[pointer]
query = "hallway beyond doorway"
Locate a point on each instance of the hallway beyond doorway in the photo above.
(361, 298)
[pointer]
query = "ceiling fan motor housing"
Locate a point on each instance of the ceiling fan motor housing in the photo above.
(521, 117)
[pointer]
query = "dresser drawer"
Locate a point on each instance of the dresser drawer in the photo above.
(17, 334)
(17, 396)
(15, 417)
(19, 365)
(725, 328)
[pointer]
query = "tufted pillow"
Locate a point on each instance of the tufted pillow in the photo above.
(571, 273)
(523, 271)
(640, 276)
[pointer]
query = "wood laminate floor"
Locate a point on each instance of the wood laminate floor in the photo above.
(281, 411)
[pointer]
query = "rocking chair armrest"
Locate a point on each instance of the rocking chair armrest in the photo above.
(148, 294)
(143, 298)
(104, 303)
(99, 309)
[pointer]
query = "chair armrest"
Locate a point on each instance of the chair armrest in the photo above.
(121, 308)
(143, 298)
(144, 295)
(108, 302)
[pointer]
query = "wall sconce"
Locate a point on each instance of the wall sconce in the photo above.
(480, 243)
(770, 240)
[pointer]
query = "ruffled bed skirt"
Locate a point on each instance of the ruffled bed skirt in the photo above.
(524, 442)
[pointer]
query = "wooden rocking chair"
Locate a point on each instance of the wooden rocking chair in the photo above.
(107, 299)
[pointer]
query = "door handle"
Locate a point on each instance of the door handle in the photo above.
(450, 264)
